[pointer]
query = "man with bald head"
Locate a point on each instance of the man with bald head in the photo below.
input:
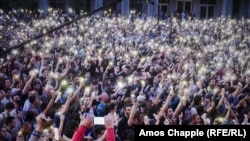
(101, 108)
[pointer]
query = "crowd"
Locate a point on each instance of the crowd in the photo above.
(98, 78)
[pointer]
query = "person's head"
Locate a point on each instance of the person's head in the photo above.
(127, 101)
(84, 104)
(197, 100)
(72, 126)
(156, 80)
(138, 118)
(47, 90)
(37, 86)
(34, 100)
(95, 85)
(108, 82)
(127, 109)
(99, 130)
(218, 121)
(195, 119)
(152, 90)
(3, 131)
(9, 107)
(174, 119)
(226, 85)
(129, 135)
(112, 107)
(25, 129)
(60, 107)
(248, 113)
(45, 71)
(116, 69)
(30, 116)
(4, 70)
(19, 113)
(16, 97)
(87, 75)
(25, 60)
(126, 70)
(105, 97)
(86, 101)
(7, 83)
(33, 92)
(212, 82)
(10, 122)
(75, 79)
(191, 82)
(246, 91)
(170, 112)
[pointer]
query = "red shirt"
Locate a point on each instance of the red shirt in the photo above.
(79, 134)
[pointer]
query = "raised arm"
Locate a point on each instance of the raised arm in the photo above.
(179, 107)
(110, 131)
(236, 92)
(86, 123)
(51, 102)
(37, 133)
(60, 130)
(66, 70)
(166, 104)
(132, 114)
(27, 86)
(81, 83)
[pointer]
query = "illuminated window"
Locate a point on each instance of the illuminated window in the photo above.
(184, 6)
(207, 9)
(136, 5)
(110, 9)
(163, 7)
(80, 5)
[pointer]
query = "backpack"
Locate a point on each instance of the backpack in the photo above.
(3, 120)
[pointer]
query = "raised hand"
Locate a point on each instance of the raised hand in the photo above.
(109, 121)
(87, 120)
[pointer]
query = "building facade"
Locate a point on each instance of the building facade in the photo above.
(201, 9)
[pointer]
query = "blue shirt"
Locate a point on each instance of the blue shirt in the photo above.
(100, 111)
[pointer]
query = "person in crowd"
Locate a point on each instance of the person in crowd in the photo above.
(172, 71)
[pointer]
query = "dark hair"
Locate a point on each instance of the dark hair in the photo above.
(32, 99)
(72, 125)
(19, 110)
(197, 100)
(9, 106)
(231, 90)
(246, 90)
(6, 90)
(130, 135)
(59, 105)
(95, 82)
(68, 133)
(111, 106)
(99, 129)
(70, 128)
(43, 106)
(127, 67)
(9, 119)
(30, 115)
